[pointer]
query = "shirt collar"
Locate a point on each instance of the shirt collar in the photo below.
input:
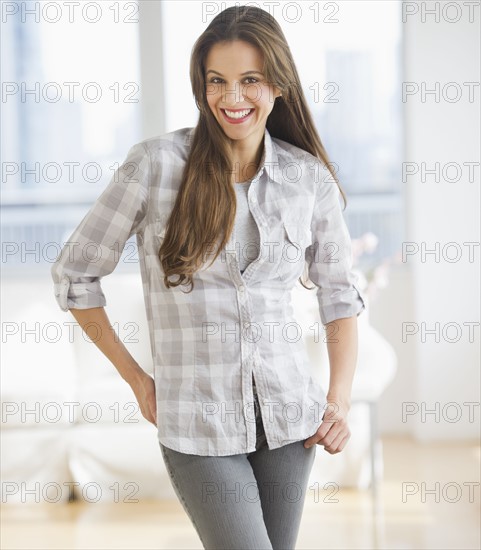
(270, 160)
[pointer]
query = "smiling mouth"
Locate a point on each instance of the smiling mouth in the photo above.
(237, 115)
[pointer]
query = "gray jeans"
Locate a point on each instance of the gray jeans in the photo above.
(244, 501)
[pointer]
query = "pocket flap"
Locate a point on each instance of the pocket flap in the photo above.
(297, 234)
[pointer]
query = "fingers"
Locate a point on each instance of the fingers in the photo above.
(319, 436)
(153, 415)
(338, 443)
(152, 405)
(148, 408)
(332, 435)
(321, 433)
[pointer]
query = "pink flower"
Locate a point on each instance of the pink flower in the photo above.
(376, 277)
(367, 243)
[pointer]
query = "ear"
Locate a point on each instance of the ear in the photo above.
(277, 92)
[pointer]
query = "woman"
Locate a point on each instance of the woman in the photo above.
(228, 215)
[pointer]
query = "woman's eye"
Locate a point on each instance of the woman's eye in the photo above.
(215, 79)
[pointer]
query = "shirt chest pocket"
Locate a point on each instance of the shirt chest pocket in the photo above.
(295, 238)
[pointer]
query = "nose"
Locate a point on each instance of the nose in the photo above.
(232, 95)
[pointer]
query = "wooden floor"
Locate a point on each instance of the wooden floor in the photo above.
(448, 518)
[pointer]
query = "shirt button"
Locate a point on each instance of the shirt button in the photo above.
(242, 288)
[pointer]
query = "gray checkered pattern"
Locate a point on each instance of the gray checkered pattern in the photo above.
(207, 344)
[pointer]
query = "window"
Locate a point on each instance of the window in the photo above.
(72, 106)
(70, 112)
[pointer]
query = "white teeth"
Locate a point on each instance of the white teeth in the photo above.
(237, 114)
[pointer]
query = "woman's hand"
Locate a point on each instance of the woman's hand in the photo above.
(144, 390)
(334, 432)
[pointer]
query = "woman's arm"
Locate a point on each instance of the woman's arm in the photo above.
(342, 350)
(96, 325)
(93, 251)
(329, 260)
(334, 431)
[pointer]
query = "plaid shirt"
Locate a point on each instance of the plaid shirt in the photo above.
(207, 344)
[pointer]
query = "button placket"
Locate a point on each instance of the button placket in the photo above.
(246, 351)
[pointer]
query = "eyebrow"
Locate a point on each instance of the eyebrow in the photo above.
(242, 74)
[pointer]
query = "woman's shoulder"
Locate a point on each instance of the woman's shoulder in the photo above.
(288, 152)
(310, 168)
(176, 142)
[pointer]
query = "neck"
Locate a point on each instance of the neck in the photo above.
(246, 158)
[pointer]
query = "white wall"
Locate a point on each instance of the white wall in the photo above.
(442, 292)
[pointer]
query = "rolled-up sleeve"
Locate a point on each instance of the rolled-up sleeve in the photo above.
(329, 257)
(95, 246)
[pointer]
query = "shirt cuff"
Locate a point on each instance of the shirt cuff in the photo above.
(70, 294)
(342, 304)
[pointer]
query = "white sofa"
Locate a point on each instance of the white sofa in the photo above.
(86, 429)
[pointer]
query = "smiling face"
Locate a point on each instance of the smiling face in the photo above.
(237, 92)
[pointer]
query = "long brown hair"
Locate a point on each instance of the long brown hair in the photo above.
(205, 206)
